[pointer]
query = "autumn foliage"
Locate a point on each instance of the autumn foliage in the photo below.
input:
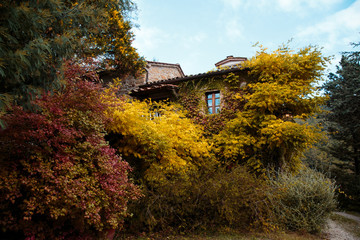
(280, 92)
(159, 139)
(185, 188)
(200, 171)
(37, 37)
(59, 178)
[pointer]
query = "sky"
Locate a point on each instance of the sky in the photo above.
(198, 33)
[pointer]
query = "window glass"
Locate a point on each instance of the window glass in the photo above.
(217, 102)
(213, 102)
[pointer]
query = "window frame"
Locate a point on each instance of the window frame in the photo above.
(212, 96)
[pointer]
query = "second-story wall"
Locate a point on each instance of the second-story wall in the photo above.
(156, 71)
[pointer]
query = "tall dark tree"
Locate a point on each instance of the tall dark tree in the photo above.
(37, 36)
(343, 89)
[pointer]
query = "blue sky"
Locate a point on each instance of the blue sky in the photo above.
(198, 33)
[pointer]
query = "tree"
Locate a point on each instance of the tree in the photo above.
(37, 36)
(168, 154)
(343, 89)
(158, 140)
(280, 90)
(58, 176)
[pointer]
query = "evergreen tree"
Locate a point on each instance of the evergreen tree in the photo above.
(37, 36)
(343, 89)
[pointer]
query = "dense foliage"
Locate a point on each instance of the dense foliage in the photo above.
(61, 179)
(340, 153)
(192, 98)
(343, 89)
(303, 201)
(280, 90)
(184, 186)
(211, 199)
(168, 153)
(158, 139)
(58, 176)
(37, 36)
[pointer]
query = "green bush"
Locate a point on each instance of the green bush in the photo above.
(237, 199)
(212, 199)
(302, 201)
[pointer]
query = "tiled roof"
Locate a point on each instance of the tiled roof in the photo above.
(192, 77)
(155, 87)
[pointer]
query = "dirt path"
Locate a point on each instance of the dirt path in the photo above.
(350, 216)
(336, 232)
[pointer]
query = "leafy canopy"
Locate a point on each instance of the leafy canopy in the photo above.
(159, 138)
(280, 90)
(58, 176)
(37, 36)
(343, 89)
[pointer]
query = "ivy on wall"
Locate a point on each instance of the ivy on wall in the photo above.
(192, 98)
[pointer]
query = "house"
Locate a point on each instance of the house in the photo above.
(208, 87)
(153, 72)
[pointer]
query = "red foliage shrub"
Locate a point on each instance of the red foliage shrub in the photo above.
(58, 176)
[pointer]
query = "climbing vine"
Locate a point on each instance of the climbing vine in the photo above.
(192, 98)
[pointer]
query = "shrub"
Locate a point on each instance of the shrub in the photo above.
(302, 201)
(158, 140)
(213, 199)
(237, 198)
(58, 176)
(167, 151)
(184, 187)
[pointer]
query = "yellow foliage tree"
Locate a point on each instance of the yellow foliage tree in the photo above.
(115, 44)
(157, 139)
(281, 91)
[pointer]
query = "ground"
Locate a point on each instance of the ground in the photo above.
(341, 226)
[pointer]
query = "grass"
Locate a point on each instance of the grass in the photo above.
(347, 224)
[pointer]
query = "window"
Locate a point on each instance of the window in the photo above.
(213, 102)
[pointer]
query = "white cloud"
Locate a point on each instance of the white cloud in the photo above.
(230, 22)
(234, 30)
(233, 3)
(298, 6)
(149, 38)
(236, 4)
(194, 40)
(337, 29)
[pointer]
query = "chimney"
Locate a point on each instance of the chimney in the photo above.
(230, 61)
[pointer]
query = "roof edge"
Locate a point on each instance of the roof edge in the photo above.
(230, 59)
(191, 77)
